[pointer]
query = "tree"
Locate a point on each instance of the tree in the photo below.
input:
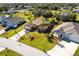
(42, 12)
(4, 8)
(66, 17)
(37, 12)
(55, 7)
(47, 14)
(40, 6)
(50, 38)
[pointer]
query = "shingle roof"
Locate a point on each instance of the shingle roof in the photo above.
(14, 20)
(33, 23)
(28, 26)
(37, 22)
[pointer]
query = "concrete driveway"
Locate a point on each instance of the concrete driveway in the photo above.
(1, 32)
(63, 49)
(18, 35)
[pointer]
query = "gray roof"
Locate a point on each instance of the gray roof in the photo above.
(37, 22)
(14, 20)
(74, 29)
(74, 38)
(71, 35)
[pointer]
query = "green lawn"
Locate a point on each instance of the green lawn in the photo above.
(26, 17)
(52, 19)
(77, 52)
(1, 27)
(11, 32)
(40, 41)
(55, 11)
(8, 52)
(77, 17)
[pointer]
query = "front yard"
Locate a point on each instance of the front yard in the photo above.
(1, 27)
(77, 52)
(8, 52)
(40, 41)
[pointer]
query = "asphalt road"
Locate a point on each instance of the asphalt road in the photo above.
(21, 48)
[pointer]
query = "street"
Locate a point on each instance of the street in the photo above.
(21, 48)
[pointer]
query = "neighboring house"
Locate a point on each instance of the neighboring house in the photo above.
(40, 26)
(33, 24)
(3, 12)
(11, 23)
(71, 27)
(64, 13)
(66, 16)
(11, 11)
(66, 8)
(27, 6)
(1, 18)
(68, 32)
(67, 37)
(75, 10)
